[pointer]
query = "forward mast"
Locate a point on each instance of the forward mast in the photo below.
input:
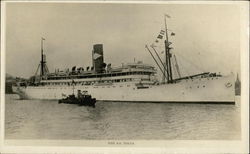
(168, 55)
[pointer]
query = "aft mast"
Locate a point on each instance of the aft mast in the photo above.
(42, 59)
(43, 67)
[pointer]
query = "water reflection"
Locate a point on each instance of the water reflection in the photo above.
(40, 119)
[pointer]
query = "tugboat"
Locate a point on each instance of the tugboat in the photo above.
(82, 99)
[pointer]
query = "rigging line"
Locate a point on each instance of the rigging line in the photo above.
(155, 61)
(37, 69)
(165, 70)
(190, 62)
(176, 73)
(184, 70)
(177, 67)
(158, 57)
(46, 69)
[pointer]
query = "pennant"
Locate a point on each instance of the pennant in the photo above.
(96, 55)
(166, 15)
(162, 32)
(159, 36)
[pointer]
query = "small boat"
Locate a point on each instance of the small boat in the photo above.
(82, 99)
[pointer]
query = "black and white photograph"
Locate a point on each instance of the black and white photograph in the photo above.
(121, 73)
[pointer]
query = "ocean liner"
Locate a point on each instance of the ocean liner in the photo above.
(131, 82)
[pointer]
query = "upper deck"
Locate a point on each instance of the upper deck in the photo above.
(125, 70)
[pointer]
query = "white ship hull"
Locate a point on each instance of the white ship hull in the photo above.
(202, 90)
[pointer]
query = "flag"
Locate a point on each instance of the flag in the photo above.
(166, 15)
(159, 36)
(162, 32)
(172, 34)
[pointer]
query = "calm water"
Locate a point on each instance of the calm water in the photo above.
(36, 119)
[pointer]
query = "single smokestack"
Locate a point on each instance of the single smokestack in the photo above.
(97, 57)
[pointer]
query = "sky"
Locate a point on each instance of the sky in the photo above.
(207, 37)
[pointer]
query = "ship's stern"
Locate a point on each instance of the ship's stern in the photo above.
(20, 91)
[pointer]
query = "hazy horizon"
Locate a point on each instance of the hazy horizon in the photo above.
(207, 36)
